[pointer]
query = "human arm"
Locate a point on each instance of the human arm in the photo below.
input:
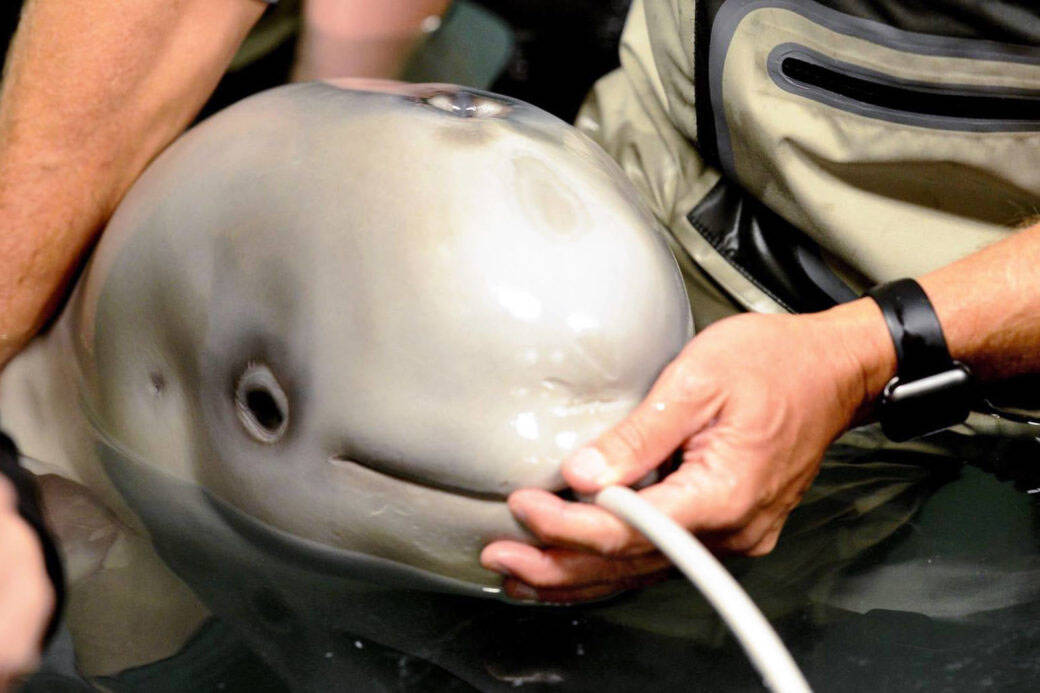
(753, 402)
(360, 38)
(92, 91)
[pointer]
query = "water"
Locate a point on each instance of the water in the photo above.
(949, 601)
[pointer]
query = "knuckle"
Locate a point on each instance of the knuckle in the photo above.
(765, 546)
(559, 571)
(557, 535)
(688, 378)
(628, 440)
(614, 546)
(772, 493)
(790, 502)
(549, 533)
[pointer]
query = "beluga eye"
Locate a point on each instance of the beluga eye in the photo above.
(464, 104)
(261, 404)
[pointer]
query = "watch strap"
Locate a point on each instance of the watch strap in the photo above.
(916, 333)
(931, 390)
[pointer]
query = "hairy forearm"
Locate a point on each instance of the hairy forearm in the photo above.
(988, 304)
(92, 91)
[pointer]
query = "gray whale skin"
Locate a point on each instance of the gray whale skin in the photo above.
(323, 337)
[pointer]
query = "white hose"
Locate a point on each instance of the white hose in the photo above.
(761, 643)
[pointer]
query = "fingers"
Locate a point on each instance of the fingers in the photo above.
(699, 498)
(604, 555)
(557, 568)
(580, 526)
(26, 598)
(681, 403)
(753, 537)
(704, 498)
(765, 545)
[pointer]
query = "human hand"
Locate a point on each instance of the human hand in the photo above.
(752, 402)
(26, 595)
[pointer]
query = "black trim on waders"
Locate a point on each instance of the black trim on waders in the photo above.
(767, 250)
(704, 19)
(1000, 30)
(855, 89)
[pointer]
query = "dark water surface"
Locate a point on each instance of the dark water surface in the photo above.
(949, 602)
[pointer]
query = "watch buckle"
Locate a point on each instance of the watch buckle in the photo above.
(927, 404)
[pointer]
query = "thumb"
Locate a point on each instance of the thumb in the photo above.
(639, 443)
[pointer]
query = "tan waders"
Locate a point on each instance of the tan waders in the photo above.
(798, 152)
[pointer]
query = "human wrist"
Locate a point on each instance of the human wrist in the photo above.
(859, 332)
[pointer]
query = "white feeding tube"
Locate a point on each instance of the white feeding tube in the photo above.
(761, 643)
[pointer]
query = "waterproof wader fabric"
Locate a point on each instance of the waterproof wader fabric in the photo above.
(883, 152)
(798, 152)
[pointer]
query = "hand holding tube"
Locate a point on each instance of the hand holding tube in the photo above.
(752, 403)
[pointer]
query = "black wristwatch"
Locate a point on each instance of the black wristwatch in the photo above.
(930, 391)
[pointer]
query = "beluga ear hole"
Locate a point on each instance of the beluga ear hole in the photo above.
(261, 403)
(464, 104)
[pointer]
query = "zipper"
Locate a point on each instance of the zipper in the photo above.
(802, 71)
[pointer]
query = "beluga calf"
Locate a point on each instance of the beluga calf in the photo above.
(324, 336)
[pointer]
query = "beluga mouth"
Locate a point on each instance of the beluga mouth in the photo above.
(346, 462)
